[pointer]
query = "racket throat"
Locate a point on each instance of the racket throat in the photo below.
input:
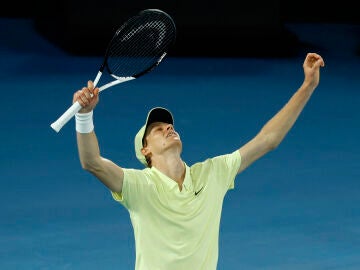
(117, 81)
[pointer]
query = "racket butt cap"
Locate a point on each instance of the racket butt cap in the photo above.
(55, 127)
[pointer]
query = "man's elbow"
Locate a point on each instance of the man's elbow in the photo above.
(273, 140)
(89, 165)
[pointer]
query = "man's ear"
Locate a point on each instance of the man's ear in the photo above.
(145, 151)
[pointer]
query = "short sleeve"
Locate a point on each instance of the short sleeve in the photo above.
(227, 167)
(134, 184)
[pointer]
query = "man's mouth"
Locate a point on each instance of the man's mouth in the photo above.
(171, 133)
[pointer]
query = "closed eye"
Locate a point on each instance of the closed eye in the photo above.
(157, 128)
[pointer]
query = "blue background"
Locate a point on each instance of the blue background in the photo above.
(296, 208)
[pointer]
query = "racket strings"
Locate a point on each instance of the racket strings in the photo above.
(140, 44)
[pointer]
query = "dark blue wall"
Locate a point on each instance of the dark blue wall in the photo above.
(205, 27)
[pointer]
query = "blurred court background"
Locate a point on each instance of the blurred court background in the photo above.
(235, 64)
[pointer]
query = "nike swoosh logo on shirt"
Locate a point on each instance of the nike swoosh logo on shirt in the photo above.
(197, 192)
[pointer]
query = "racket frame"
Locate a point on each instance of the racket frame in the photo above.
(75, 107)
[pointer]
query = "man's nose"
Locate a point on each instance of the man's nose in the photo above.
(169, 126)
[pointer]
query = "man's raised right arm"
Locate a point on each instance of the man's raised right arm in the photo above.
(110, 174)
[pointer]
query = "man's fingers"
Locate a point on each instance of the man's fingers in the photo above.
(83, 100)
(314, 60)
(90, 85)
(86, 95)
(83, 96)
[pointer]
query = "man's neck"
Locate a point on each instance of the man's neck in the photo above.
(172, 167)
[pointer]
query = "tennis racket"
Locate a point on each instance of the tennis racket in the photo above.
(137, 47)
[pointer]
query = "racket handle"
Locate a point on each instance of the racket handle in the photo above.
(66, 116)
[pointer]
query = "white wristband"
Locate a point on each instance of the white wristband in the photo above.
(84, 122)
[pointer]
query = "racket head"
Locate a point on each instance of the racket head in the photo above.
(140, 44)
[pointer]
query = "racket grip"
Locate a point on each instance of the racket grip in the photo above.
(66, 116)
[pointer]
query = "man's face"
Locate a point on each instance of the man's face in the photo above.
(161, 136)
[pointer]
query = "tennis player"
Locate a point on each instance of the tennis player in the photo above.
(175, 208)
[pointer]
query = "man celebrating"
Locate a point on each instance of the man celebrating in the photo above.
(175, 208)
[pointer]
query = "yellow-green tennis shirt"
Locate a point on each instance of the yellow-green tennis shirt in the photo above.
(173, 229)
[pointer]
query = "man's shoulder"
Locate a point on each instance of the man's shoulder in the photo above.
(215, 158)
(137, 173)
(224, 161)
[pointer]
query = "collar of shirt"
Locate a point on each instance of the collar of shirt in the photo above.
(170, 184)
